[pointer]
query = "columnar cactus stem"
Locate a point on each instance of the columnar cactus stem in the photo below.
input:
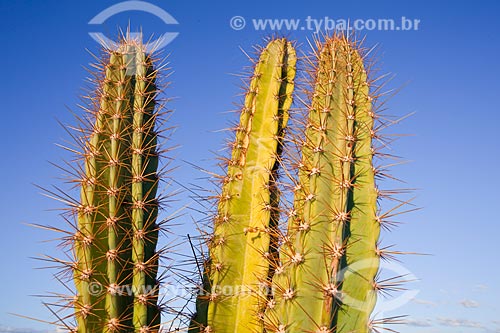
(115, 245)
(241, 247)
(328, 261)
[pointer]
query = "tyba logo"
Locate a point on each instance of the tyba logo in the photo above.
(127, 6)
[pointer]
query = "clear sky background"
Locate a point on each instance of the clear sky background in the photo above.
(450, 72)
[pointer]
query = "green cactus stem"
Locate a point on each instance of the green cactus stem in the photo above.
(115, 244)
(241, 247)
(325, 281)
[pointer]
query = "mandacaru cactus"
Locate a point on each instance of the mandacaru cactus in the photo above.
(114, 247)
(320, 275)
(325, 281)
(317, 272)
(243, 245)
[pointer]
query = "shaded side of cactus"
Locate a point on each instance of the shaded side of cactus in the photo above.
(243, 243)
(328, 262)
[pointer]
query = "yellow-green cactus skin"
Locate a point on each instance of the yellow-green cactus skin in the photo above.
(328, 262)
(116, 260)
(243, 242)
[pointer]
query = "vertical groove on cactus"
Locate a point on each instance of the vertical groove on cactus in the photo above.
(324, 276)
(240, 249)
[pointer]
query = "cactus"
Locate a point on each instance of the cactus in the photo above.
(325, 281)
(319, 275)
(116, 259)
(243, 242)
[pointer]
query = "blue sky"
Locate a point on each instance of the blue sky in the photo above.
(449, 69)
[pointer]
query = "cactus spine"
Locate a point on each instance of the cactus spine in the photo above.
(115, 244)
(328, 261)
(243, 241)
